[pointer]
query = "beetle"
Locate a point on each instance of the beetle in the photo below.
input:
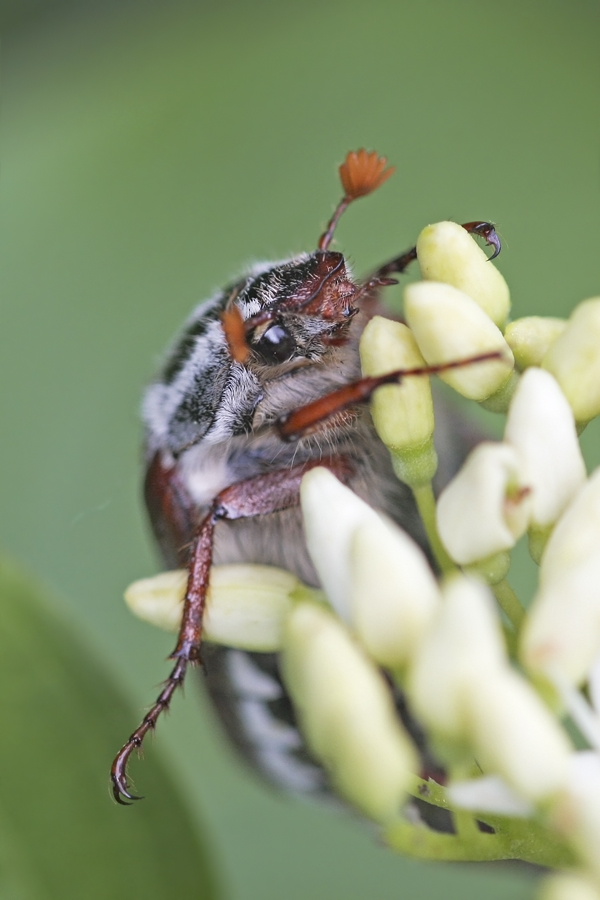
(263, 384)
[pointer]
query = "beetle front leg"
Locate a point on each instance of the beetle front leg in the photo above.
(264, 494)
(398, 265)
(306, 419)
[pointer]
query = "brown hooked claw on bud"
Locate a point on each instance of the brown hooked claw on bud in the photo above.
(488, 232)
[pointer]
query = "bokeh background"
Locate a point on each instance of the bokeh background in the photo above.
(148, 151)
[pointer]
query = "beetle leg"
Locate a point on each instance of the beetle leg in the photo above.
(306, 419)
(486, 230)
(268, 493)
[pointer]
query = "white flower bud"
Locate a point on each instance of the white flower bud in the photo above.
(346, 712)
(482, 511)
(576, 537)
(514, 735)
(489, 794)
(403, 414)
(463, 649)
(576, 815)
(394, 593)
(331, 514)
(449, 326)
(594, 684)
(531, 337)
(245, 605)
(562, 630)
(541, 428)
(574, 360)
(448, 253)
(568, 886)
(464, 691)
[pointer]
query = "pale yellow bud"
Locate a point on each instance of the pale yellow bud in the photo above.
(448, 253)
(346, 712)
(245, 605)
(562, 630)
(541, 428)
(403, 414)
(394, 594)
(574, 360)
(482, 511)
(568, 886)
(531, 337)
(449, 326)
(159, 600)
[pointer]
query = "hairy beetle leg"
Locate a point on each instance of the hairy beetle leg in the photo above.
(263, 494)
(118, 772)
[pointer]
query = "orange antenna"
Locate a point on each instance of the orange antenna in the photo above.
(361, 173)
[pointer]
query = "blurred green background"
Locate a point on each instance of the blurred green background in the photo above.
(148, 151)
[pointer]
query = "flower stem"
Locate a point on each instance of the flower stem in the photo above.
(509, 603)
(426, 505)
(512, 839)
(465, 825)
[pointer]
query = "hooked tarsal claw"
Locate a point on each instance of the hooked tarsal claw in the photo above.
(120, 783)
(493, 240)
(487, 231)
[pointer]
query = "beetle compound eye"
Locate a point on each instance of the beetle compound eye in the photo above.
(276, 345)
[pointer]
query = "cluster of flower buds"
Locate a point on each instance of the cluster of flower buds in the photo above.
(490, 682)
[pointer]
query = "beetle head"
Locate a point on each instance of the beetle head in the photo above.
(317, 287)
(292, 308)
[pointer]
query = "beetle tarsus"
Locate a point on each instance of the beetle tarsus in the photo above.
(486, 230)
(118, 772)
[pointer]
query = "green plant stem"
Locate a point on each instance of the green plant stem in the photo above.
(513, 838)
(465, 825)
(423, 495)
(518, 839)
(509, 603)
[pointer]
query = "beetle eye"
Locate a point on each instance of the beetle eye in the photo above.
(276, 345)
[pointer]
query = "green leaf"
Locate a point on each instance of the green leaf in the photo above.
(61, 834)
